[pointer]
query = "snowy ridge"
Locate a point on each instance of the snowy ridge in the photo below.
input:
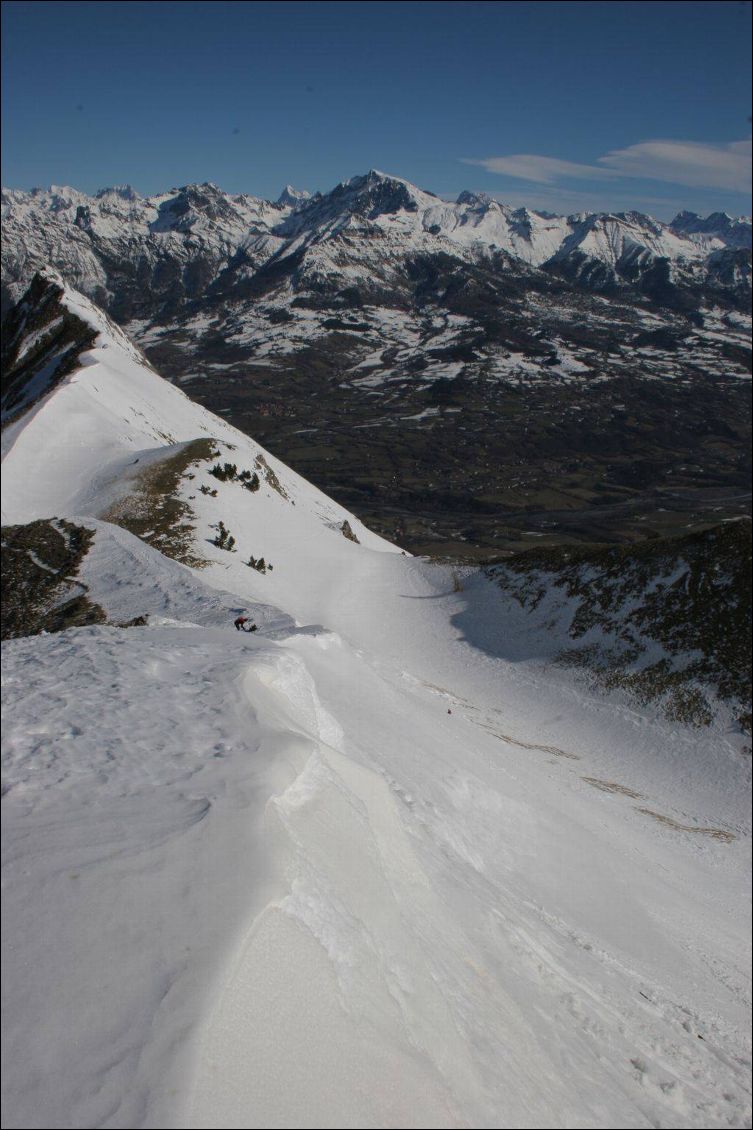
(373, 864)
(164, 590)
(112, 413)
(715, 231)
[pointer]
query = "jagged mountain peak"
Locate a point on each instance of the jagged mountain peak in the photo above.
(368, 197)
(687, 217)
(56, 190)
(122, 191)
(475, 199)
(732, 231)
(55, 198)
(640, 218)
(199, 193)
(594, 219)
(364, 197)
(386, 186)
(376, 176)
(291, 197)
(195, 204)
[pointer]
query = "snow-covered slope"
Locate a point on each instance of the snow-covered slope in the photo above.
(670, 618)
(83, 448)
(375, 864)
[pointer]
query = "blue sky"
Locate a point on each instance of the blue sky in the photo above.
(563, 106)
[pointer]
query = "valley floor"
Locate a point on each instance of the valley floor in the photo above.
(375, 865)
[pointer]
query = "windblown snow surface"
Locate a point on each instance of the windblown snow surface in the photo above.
(376, 865)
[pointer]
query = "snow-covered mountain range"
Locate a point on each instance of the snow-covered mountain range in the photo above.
(366, 222)
(575, 377)
(379, 862)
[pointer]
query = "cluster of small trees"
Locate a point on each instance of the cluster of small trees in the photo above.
(224, 539)
(229, 472)
(259, 564)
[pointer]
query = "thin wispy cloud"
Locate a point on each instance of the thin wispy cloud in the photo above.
(694, 164)
(541, 170)
(686, 162)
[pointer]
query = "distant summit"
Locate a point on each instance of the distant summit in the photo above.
(482, 199)
(124, 191)
(291, 197)
(729, 230)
